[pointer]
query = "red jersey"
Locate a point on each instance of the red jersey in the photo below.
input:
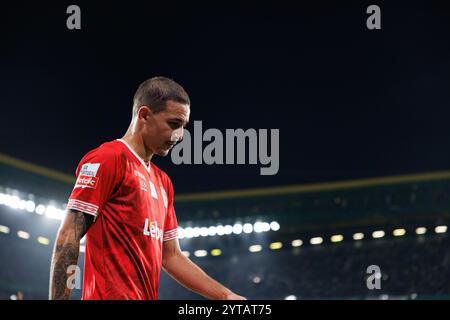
(133, 207)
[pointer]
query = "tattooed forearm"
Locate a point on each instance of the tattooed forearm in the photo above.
(66, 251)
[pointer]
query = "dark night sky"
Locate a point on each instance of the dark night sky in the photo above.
(349, 102)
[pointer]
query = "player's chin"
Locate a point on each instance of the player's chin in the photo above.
(163, 152)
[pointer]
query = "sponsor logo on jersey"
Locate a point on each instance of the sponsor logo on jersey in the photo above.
(89, 169)
(86, 182)
(151, 229)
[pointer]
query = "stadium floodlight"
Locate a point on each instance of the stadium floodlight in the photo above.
(189, 232)
(54, 213)
(421, 230)
(186, 253)
(275, 245)
(337, 238)
(237, 228)
(216, 252)
(258, 227)
(2, 198)
(196, 232)
(228, 229)
(275, 226)
(200, 253)
(265, 226)
(220, 230)
(255, 248)
(358, 236)
(316, 240)
(212, 231)
(204, 232)
(30, 206)
(296, 243)
(291, 297)
(399, 232)
(378, 234)
(256, 280)
(13, 297)
(43, 240)
(440, 229)
(40, 209)
(23, 234)
(247, 228)
(4, 229)
(180, 233)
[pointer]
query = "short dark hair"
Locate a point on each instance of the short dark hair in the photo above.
(155, 92)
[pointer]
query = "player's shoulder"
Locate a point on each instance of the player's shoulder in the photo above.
(110, 150)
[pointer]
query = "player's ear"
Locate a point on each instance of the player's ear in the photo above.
(144, 113)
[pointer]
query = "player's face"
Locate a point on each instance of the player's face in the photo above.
(166, 128)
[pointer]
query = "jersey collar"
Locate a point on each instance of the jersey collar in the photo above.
(136, 155)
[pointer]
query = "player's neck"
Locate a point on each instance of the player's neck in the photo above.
(137, 144)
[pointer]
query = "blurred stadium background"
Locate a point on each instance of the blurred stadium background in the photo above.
(297, 242)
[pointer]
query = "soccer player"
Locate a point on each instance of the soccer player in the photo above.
(124, 205)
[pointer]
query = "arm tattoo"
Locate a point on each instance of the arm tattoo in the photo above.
(66, 251)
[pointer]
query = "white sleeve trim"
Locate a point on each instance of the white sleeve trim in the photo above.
(170, 234)
(82, 206)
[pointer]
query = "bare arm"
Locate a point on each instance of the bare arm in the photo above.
(192, 276)
(66, 251)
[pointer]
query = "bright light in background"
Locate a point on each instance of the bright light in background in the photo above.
(378, 234)
(204, 232)
(421, 230)
(200, 253)
(316, 240)
(4, 229)
(186, 253)
(212, 231)
(237, 228)
(247, 228)
(291, 297)
(23, 234)
(40, 209)
(54, 213)
(440, 229)
(276, 245)
(297, 243)
(189, 232)
(30, 206)
(256, 280)
(220, 230)
(337, 238)
(399, 232)
(228, 229)
(255, 248)
(216, 252)
(43, 240)
(275, 226)
(83, 240)
(180, 233)
(196, 232)
(358, 236)
(82, 249)
(258, 227)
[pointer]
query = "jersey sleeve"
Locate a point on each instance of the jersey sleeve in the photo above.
(171, 224)
(98, 175)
